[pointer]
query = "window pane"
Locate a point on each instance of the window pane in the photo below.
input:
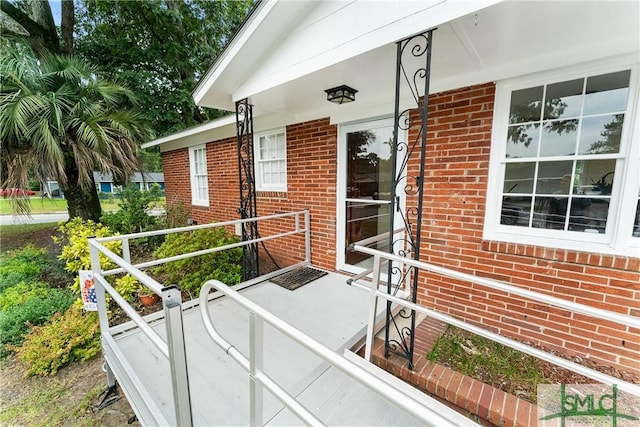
(522, 140)
(519, 178)
(550, 212)
(607, 93)
(515, 211)
(595, 177)
(589, 214)
(563, 99)
(601, 134)
(554, 177)
(526, 105)
(559, 138)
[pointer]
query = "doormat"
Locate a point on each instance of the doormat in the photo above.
(292, 280)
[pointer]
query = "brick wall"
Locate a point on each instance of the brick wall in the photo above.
(311, 184)
(459, 135)
(453, 213)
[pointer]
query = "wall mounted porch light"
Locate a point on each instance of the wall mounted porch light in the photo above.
(341, 94)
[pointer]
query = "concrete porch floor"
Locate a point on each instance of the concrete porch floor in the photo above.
(327, 309)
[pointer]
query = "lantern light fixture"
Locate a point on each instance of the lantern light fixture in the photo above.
(341, 94)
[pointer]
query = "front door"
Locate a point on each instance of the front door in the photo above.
(364, 189)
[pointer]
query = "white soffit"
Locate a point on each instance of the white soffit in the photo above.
(291, 41)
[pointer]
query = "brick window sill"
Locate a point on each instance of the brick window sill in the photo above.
(618, 262)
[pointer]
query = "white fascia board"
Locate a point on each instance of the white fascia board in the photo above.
(192, 132)
(228, 54)
(276, 70)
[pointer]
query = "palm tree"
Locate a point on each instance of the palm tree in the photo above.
(59, 120)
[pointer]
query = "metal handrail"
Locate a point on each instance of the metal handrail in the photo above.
(259, 378)
(379, 256)
(173, 347)
(623, 319)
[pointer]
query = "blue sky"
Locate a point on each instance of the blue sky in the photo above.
(55, 9)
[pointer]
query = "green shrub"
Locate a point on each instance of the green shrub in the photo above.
(66, 338)
(21, 293)
(134, 204)
(75, 246)
(175, 216)
(22, 265)
(191, 273)
(16, 320)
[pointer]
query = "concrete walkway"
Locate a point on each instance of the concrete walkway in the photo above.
(33, 219)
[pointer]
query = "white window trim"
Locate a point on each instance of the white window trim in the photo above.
(618, 239)
(260, 185)
(195, 200)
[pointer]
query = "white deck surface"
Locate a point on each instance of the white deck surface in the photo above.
(327, 309)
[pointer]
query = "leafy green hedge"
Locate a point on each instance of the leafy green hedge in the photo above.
(18, 318)
(69, 337)
(191, 273)
(21, 266)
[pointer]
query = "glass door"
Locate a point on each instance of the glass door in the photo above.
(364, 189)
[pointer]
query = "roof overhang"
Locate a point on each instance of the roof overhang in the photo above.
(288, 53)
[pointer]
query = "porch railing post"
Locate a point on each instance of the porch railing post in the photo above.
(307, 236)
(255, 367)
(100, 293)
(126, 253)
(373, 308)
(172, 302)
(101, 302)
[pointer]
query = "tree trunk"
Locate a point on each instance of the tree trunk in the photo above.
(80, 202)
(66, 27)
(83, 204)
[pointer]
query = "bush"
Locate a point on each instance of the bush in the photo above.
(16, 320)
(69, 337)
(75, 246)
(175, 216)
(22, 265)
(21, 293)
(132, 216)
(191, 273)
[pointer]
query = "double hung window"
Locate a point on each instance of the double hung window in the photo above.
(198, 173)
(560, 161)
(271, 161)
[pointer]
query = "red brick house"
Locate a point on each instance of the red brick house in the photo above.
(532, 151)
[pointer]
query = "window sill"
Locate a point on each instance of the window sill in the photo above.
(271, 194)
(572, 256)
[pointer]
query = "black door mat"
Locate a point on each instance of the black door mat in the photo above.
(292, 280)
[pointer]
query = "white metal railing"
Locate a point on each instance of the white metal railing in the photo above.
(253, 364)
(173, 348)
(380, 257)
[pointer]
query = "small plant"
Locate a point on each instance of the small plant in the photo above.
(191, 273)
(602, 185)
(175, 216)
(22, 265)
(127, 286)
(75, 246)
(16, 320)
(69, 337)
(21, 293)
(134, 204)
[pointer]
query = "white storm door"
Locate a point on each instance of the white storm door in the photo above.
(364, 190)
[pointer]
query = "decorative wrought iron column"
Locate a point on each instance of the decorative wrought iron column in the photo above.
(413, 67)
(247, 209)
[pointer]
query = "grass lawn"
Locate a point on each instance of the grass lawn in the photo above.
(19, 235)
(44, 205)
